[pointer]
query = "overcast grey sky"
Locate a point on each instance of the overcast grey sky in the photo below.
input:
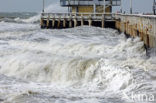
(36, 5)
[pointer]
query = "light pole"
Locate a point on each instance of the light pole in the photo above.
(43, 7)
(130, 6)
(121, 7)
(154, 7)
(104, 6)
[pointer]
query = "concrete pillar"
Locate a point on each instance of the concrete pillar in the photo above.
(103, 21)
(53, 23)
(127, 27)
(47, 23)
(124, 27)
(123, 24)
(70, 23)
(75, 22)
(82, 21)
(64, 23)
(130, 32)
(41, 23)
(90, 22)
(120, 26)
(148, 41)
(141, 35)
(58, 24)
(135, 30)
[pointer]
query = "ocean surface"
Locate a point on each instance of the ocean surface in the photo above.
(75, 65)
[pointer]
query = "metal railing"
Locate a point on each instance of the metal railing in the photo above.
(77, 15)
(89, 2)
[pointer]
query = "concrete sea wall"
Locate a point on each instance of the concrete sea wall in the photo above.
(143, 26)
(138, 25)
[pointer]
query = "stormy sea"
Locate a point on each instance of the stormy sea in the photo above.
(75, 65)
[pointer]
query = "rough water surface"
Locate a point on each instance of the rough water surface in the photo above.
(75, 65)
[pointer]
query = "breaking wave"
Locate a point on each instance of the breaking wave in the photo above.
(82, 64)
(99, 60)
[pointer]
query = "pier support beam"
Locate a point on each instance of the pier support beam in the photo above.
(64, 23)
(90, 22)
(103, 21)
(58, 24)
(70, 23)
(42, 23)
(82, 21)
(53, 23)
(48, 20)
(47, 23)
(75, 22)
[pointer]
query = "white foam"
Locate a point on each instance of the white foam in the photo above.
(6, 26)
(80, 63)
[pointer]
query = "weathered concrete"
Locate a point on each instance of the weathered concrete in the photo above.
(138, 25)
(82, 21)
(132, 25)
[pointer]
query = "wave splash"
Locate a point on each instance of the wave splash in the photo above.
(89, 63)
(78, 60)
(52, 8)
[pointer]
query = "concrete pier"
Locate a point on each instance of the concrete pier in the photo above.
(69, 20)
(143, 26)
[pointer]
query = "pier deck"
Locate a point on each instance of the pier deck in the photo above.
(68, 20)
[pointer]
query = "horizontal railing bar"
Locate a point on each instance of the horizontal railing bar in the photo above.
(74, 15)
(78, 13)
